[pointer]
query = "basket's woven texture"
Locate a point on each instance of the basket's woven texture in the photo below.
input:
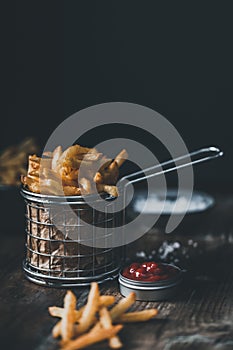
(59, 245)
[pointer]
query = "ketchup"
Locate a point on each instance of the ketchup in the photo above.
(149, 271)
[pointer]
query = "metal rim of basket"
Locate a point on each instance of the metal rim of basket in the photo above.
(60, 282)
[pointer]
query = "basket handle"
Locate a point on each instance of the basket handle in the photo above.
(195, 157)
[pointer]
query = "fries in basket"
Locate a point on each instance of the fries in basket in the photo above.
(94, 322)
(58, 172)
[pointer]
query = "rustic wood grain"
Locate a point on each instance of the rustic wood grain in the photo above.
(199, 317)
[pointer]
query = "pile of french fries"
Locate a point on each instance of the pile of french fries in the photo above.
(57, 172)
(13, 161)
(94, 322)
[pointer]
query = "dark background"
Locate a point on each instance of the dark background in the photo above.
(175, 57)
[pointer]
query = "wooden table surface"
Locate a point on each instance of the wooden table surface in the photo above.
(199, 317)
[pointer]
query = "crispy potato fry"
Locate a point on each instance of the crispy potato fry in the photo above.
(73, 170)
(112, 190)
(86, 318)
(110, 175)
(89, 156)
(137, 316)
(51, 186)
(121, 157)
(104, 300)
(122, 306)
(86, 185)
(98, 178)
(115, 342)
(47, 154)
(56, 331)
(68, 318)
(55, 158)
(88, 315)
(106, 323)
(94, 336)
(30, 183)
(71, 152)
(71, 191)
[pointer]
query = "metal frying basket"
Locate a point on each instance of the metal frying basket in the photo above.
(55, 259)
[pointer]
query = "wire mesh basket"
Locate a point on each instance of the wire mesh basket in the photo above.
(63, 250)
(61, 246)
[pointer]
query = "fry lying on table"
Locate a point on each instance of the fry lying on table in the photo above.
(93, 322)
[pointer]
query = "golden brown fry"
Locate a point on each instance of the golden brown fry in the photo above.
(36, 165)
(121, 157)
(55, 158)
(112, 190)
(88, 315)
(72, 151)
(68, 319)
(115, 342)
(50, 174)
(104, 300)
(111, 175)
(106, 323)
(68, 174)
(97, 334)
(71, 191)
(105, 163)
(32, 185)
(51, 186)
(47, 154)
(122, 306)
(56, 331)
(137, 316)
(86, 185)
(65, 166)
(89, 156)
(98, 178)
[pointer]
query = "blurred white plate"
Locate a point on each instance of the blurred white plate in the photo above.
(200, 202)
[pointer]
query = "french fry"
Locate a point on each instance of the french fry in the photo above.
(112, 190)
(104, 300)
(51, 186)
(88, 315)
(32, 185)
(122, 306)
(89, 156)
(106, 323)
(110, 175)
(86, 185)
(55, 158)
(121, 157)
(64, 167)
(71, 191)
(56, 331)
(94, 336)
(98, 178)
(86, 318)
(68, 318)
(137, 316)
(47, 154)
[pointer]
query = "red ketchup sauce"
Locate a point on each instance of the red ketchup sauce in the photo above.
(149, 271)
